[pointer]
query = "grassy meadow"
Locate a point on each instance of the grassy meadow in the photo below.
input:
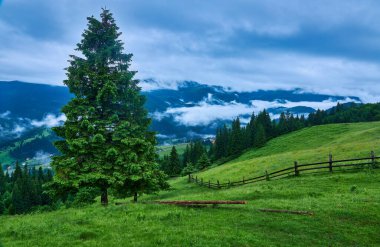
(5, 152)
(304, 146)
(346, 205)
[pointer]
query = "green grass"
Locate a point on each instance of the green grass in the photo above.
(343, 217)
(5, 158)
(165, 149)
(305, 146)
(5, 153)
(346, 206)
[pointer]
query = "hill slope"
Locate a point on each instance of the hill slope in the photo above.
(345, 205)
(305, 146)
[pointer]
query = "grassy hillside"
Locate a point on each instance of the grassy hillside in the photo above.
(305, 146)
(346, 206)
(346, 209)
(37, 140)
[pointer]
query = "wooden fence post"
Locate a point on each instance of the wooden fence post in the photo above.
(296, 172)
(330, 162)
(372, 164)
(373, 159)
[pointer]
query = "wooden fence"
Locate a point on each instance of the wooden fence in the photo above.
(328, 166)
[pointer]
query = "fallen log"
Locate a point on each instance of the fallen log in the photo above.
(286, 211)
(200, 202)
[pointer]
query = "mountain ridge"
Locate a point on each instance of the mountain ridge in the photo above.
(189, 111)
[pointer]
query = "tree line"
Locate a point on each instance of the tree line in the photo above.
(346, 113)
(22, 190)
(231, 140)
(194, 158)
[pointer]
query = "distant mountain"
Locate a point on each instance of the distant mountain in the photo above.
(32, 101)
(190, 110)
(194, 109)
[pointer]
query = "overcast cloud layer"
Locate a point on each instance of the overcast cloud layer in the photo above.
(328, 46)
(205, 113)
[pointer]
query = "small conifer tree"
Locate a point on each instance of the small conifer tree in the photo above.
(203, 162)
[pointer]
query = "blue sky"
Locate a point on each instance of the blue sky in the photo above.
(324, 46)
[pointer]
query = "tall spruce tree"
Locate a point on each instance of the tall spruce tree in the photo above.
(251, 129)
(174, 166)
(263, 118)
(198, 151)
(224, 141)
(106, 142)
(17, 173)
(40, 175)
(260, 137)
(18, 205)
(164, 163)
(236, 137)
(186, 156)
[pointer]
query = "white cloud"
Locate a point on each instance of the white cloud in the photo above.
(5, 115)
(151, 85)
(259, 105)
(49, 121)
(179, 40)
(15, 131)
(205, 113)
(18, 129)
(158, 115)
(165, 136)
(275, 70)
(42, 157)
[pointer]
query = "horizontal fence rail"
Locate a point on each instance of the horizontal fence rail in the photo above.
(370, 162)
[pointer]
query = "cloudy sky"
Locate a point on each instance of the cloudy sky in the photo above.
(329, 46)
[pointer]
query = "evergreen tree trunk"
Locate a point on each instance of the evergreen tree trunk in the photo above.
(135, 197)
(104, 197)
